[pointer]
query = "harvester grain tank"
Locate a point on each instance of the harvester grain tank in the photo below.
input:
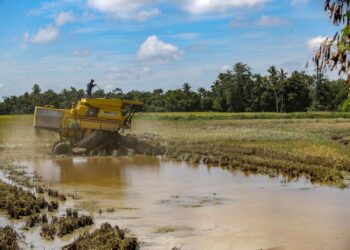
(92, 126)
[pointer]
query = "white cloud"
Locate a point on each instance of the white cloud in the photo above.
(145, 9)
(211, 6)
(315, 42)
(81, 53)
(153, 50)
(271, 21)
(63, 18)
(126, 73)
(50, 32)
(46, 7)
(1, 85)
(83, 65)
(125, 9)
(225, 68)
(45, 35)
(146, 14)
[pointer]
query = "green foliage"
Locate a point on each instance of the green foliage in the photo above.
(346, 105)
(334, 52)
(329, 95)
(236, 90)
(297, 91)
(241, 116)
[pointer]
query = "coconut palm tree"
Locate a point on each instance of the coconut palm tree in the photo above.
(273, 82)
(186, 88)
(282, 77)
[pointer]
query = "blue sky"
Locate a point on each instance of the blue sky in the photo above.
(146, 44)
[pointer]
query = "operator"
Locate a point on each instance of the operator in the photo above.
(89, 88)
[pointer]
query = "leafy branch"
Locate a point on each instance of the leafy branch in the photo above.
(334, 52)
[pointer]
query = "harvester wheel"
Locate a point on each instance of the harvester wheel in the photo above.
(62, 148)
(54, 145)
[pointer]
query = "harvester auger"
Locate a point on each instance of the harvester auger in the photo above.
(95, 126)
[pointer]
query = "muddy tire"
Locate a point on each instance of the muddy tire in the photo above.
(62, 148)
(54, 145)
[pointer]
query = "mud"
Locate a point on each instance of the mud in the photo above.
(18, 174)
(342, 139)
(192, 206)
(107, 237)
(165, 230)
(193, 201)
(18, 199)
(250, 162)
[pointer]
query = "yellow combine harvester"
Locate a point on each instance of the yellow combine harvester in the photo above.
(95, 125)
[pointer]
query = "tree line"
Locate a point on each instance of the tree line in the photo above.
(236, 90)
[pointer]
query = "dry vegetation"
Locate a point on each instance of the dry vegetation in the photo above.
(317, 149)
(8, 238)
(240, 116)
(18, 202)
(22, 193)
(106, 237)
(290, 147)
(24, 203)
(65, 224)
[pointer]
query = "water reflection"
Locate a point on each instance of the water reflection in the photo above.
(204, 208)
(97, 171)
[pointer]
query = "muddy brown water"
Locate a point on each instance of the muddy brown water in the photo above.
(174, 204)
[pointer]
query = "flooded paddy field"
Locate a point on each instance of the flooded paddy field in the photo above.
(212, 189)
(174, 204)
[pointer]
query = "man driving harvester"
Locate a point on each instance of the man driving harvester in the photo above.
(89, 88)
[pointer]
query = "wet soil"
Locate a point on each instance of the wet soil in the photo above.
(191, 206)
(178, 205)
(292, 148)
(22, 197)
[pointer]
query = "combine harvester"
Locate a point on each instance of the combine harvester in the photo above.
(93, 127)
